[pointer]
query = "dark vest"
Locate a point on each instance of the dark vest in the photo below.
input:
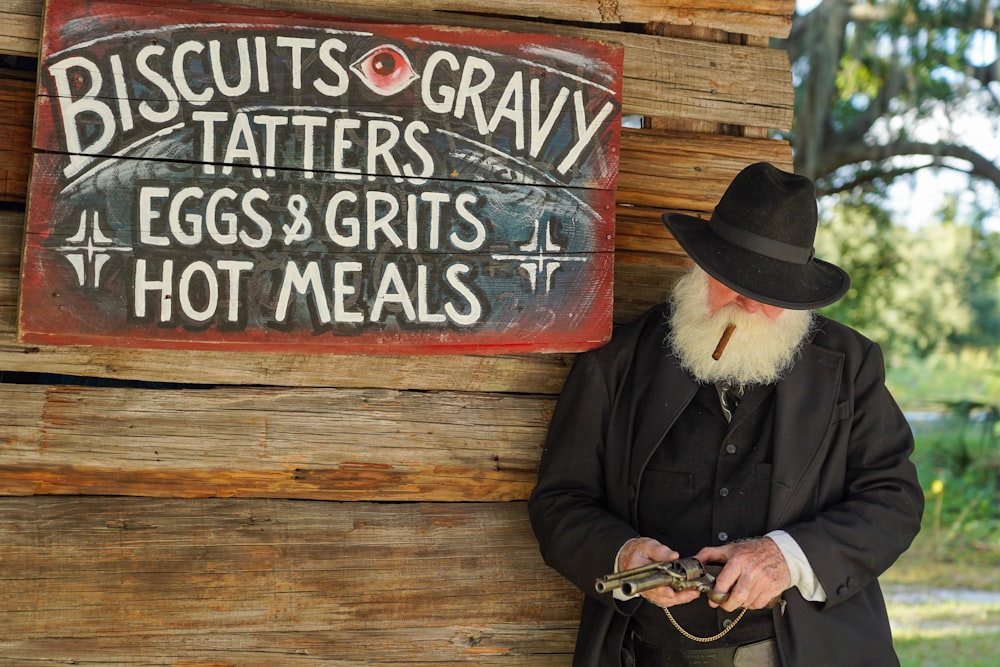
(708, 483)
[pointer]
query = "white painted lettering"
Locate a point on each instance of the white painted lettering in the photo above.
(233, 268)
(208, 119)
(180, 69)
(462, 204)
(392, 289)
(383, 223)
(474, 309)
(332, 64)
(159, 81)
(305, 282)
(143, 284)
(584, 131)
(296, 45)
(470, 91)
(147, 214)
(70, 109)
(211, 291)
(341, 290)
(446, 94)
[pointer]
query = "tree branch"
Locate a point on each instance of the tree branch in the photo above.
(860, 153)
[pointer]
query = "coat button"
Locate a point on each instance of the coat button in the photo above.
(730, 449)
(723, 536)
(723, 492)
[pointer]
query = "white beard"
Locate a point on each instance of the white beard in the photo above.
(760, 351)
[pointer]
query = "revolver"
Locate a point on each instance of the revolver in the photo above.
(683, 574)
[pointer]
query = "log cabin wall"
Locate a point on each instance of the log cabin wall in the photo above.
(207, 508)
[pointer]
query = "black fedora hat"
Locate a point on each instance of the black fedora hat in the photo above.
(759, 241)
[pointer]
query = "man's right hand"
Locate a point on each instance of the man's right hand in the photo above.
(641, 551)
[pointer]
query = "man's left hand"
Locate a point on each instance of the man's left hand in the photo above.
(755, 573)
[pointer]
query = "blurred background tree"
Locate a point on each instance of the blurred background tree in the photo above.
(897, 120)
(886, 92)
(867, 73)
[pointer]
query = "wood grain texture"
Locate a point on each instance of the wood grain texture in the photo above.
(21, 26)
(16, 111)
(687, 171)
(679, 99)
(663, 76)
(320, 444)
(276, 582)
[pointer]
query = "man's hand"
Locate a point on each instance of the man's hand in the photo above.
(643, 551)
(755, 573)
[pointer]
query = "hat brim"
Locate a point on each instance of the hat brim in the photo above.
(770, 281)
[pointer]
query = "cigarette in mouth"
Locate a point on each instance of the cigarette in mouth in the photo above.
(721, 347)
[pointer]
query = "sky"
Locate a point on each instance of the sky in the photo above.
(916, 200)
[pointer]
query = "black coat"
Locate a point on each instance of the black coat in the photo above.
(843, 485)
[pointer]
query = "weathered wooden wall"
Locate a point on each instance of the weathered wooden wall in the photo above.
(275, 509)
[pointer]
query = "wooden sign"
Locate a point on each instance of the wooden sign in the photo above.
(209, 177)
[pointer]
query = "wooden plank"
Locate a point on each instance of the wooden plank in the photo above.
(540, 373)
(764, 18)
(17, 100)
(531, 374)
(684, 78)
(16, 110)
(642, 230)
(771, 18)
(319, 444)
(132, 581)
(664, 76)
(647, 261)
(688, 172)
(20, 26)
(638, 181)
(708, 82)
(718, 84)
(521, 94)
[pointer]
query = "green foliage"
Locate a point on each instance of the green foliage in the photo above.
(957, 452)
(929, 40)
(963, 515)
(915, 291)
(946, 377)
(959, 643)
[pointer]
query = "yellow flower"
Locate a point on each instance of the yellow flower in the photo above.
(937, 487)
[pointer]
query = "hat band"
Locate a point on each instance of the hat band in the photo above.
(761, 245)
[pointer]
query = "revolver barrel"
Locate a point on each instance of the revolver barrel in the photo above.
(651, 580)
(610, 582)
(681, 575)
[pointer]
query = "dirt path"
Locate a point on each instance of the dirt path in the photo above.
(917, 610)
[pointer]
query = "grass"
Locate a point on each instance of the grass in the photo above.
(947, 629)
(935, 624)
(960, 649)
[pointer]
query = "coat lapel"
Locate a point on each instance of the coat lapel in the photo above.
(804, 405)
(663, 390)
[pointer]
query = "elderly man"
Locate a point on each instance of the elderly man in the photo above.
(736, 426)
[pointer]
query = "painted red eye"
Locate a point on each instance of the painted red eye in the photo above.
(386, 70)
